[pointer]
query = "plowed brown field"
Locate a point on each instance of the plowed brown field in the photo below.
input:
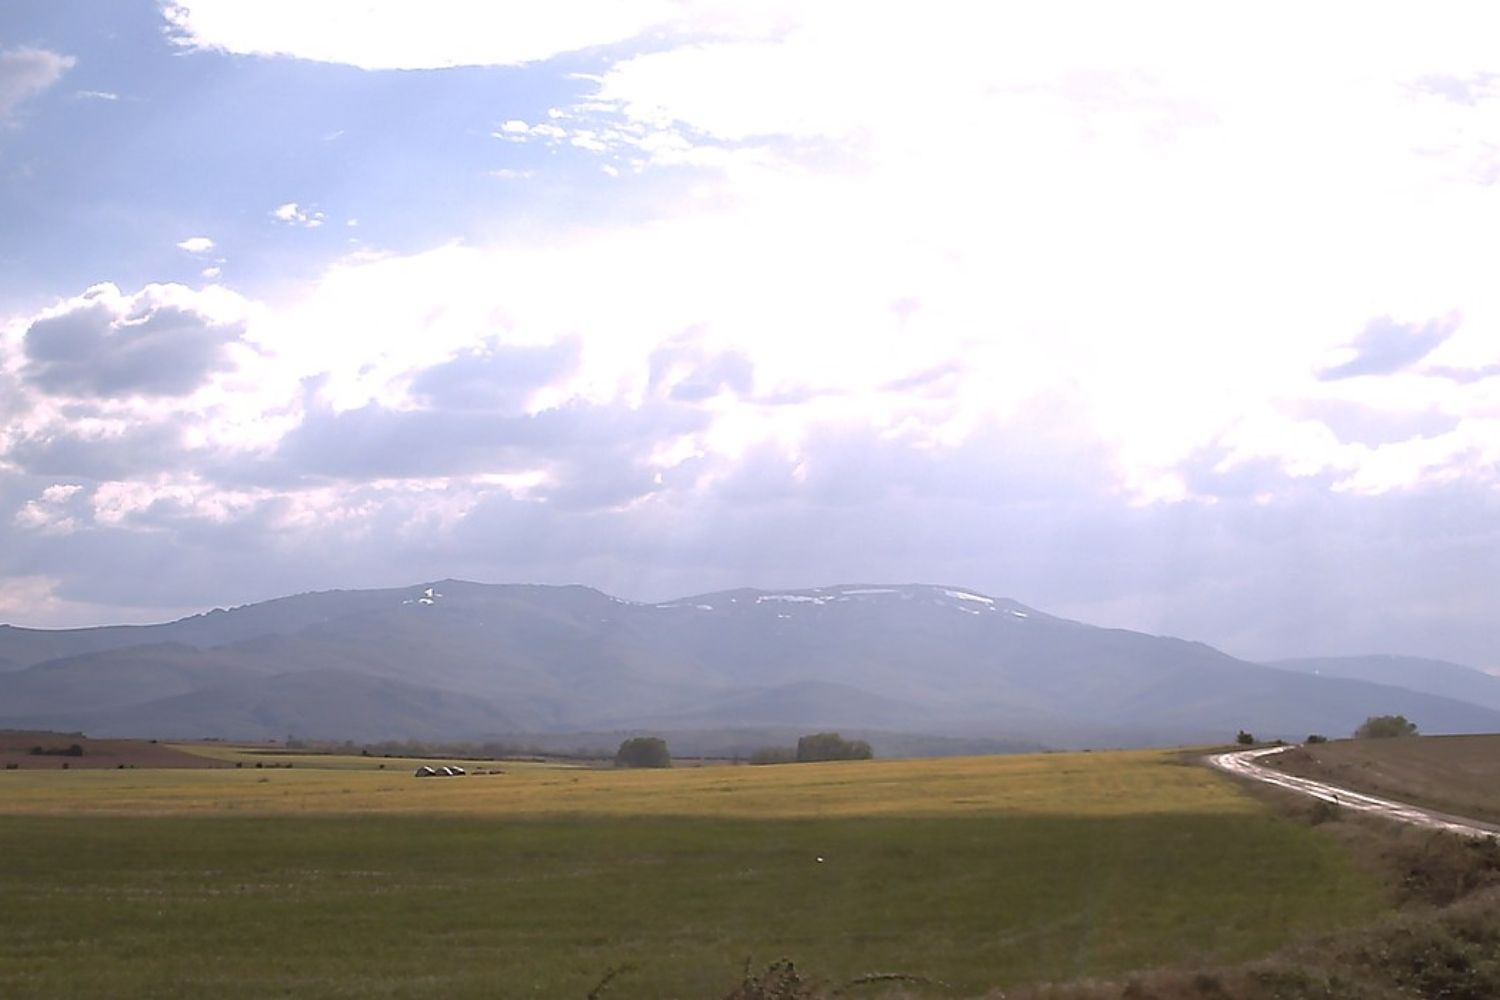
(16, 748)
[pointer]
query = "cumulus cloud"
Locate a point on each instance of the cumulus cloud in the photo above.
(100, 449)
(577, 450)
(159, 342)
(49, 513)
(1467, 89)
(27, 72)
(196, 244)
(496, 379)
(294, 214)
(1387, 346)
(686, 372)
(1362, 423)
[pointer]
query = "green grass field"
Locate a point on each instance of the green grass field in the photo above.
(980, 873)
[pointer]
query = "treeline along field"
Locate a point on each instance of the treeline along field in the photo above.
(977, 873)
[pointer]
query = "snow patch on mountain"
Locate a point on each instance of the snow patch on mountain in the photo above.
(429, 596)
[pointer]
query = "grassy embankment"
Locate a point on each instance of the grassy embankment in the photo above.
(1454, 774)
(315, 881)
(1444, 941)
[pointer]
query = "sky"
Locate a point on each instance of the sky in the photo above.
(1166, 316)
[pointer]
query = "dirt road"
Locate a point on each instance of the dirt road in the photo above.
(1246, 763)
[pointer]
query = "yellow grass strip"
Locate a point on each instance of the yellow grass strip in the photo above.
(1086, 784)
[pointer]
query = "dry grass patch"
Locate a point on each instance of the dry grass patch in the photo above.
(1455, 774)
(1082, 784)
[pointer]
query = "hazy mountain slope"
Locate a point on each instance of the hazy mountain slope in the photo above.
(809, 703)
(334, 704)
(24, 647)
(499, 659)
(556, 654)
(117, 677)
(1450, 680)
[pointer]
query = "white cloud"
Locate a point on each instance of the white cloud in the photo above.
(1151, 227)
(37, 600)
(432, 34)
(196, 244)
(295, 215)
(1104, 217)
(97, 95)
(27, 72)
(49, 513)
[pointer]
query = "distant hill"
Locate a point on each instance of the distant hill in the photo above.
(1450, 680)
(337, 702)
(458, 660)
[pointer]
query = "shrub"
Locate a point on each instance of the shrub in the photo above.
(643, 751)
(1244, 739)
(1380, 727)
(1316, 738)
(1322, 811)
(832, 746)
(780, 981)
(1431, 961)
(1442, 867)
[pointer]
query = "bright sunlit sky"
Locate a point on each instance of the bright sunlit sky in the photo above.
(1178, 317)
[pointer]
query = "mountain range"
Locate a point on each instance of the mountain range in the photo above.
(900, 664)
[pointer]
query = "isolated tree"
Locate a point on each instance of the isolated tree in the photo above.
(1381, 727)
(1244, 739)
(832, 746)
(643, 751)
(1316, 738)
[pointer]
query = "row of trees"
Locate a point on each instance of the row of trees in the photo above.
(817, 746)
(832, 746)
(651, 751)
(1376, 727)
